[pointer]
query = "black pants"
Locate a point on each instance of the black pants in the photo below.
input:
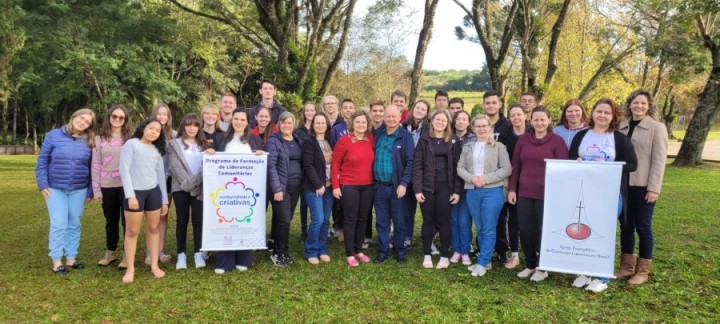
(507, 231)
(356, 202)
(530, 219)
(368, 229)
(282, 213)
(112, 205)
(436, 215)
(185, 205)
(338, 215)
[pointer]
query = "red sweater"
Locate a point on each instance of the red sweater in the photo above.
(352, 162)
(528, 163)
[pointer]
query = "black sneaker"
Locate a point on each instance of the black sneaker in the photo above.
(288, 258)
(270, 245)
(278, 260)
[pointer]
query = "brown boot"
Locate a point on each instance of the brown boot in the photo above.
(109, 257)
(123, 264)
(627, 266)
(642, 273)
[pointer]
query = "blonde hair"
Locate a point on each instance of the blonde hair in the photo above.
(167, 128)
(89, 132)
(491, 139)
(213, 109)
(447, 133)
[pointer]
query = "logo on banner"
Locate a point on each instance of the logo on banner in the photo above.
(235, 202)
(578, 226)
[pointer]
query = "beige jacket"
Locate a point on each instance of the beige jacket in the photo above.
(650, 141)
(497, 165)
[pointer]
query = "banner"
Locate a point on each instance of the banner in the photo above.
(580, 217)
(234, 199)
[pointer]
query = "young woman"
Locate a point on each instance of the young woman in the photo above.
(460, 228)
(484, 165)
(161, 113)
(237, 139)
(649, 138)
(416, 124)
(185, 154)
(303, 133)
(211, 123)
(105, 171)
(63, 178)
(527, 185)
(436, 185)
(352, 161)
(285, 183)
(573, 119)
(317, 160)
(143, 178)
(509, 138)
(602, 142)
(265, 127)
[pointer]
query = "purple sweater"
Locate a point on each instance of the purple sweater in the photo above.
(528, 163)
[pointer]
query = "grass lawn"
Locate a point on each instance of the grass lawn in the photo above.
(471, 98)
(684, 286)
(712, 135)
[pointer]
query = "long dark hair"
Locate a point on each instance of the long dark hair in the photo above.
(228, 136)
(328, 132)
(106, 129)
(192, 119)
(159, 143)
(270, 126)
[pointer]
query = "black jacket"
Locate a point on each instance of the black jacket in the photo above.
(313, 163)
(423, 176)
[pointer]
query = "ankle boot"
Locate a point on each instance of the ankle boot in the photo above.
(627, 266)
(109, 257)
(642, 273)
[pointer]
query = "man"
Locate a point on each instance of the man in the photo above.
(399, 99)
(441, 100)
(492, 105)
(456, 104)
(267, 93)
(528, 101)
(228, 103)
(392, 169)
(377, 114)
(340, 127)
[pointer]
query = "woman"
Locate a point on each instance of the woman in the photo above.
(303, 133)
(572, 120)
(330, 108)
(143, 174)
(416, 124)
(484, 165)
(436, 185)
(460, 231)
(211, 123)
(352, 161)
(317, 160)
(186, 154)
(284, 180)
(63, 178)
(527, 184)
(105, 172)
(237, 139)
(509, 138)
(649, 138)
(602, 142)
(265, 127)
(161, 113)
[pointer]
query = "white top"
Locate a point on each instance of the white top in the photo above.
(597, 147)
(236, 146)
(193, 156)
(141, 168)
(479, 158)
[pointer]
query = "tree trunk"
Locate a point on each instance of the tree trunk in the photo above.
(15, 112)
(658, 80)
(4, 103)
(423, 41)
(667, 115)
(332, 67)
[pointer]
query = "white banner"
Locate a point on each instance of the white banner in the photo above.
(234, 201)
(580, 217)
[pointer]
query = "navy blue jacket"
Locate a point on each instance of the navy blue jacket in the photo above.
(64, 162)
(403, 153)
(278, 162)
(275, 112)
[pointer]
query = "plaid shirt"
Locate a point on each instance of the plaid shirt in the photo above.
(382, 166)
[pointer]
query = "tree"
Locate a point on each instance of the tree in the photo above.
(12, 40)
(423, 41)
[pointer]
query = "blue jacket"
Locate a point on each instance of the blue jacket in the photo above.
(278, 162)
(403, 153)
(339, 129)
(64, 162)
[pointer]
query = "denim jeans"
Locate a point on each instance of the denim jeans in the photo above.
(320, 208)
(389, 208)
(638, 219)
(485, 205)
(460, 226)
(66, 209)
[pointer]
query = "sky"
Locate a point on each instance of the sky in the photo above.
(445, 51)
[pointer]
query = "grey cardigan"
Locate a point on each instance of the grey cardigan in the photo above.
(182, 178)
(497, 165)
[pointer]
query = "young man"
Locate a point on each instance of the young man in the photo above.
(441, 100)
(399, 99)
(267, 92)
(228, 103)
(528, 101)
(492, 103)
(456, 104)
(340, 127)
(377, 114)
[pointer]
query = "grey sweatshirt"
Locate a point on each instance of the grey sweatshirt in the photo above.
(141, 168)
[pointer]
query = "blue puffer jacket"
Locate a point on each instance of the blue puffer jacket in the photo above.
(64, 162)
(278, 162)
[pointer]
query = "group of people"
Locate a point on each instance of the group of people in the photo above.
(486, 170)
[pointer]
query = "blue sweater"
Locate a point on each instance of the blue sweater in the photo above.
(64, 162)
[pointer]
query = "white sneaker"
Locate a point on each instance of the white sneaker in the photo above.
(581, 281)
(479, 271)
(219, 271)
(472, 267)
(181, 262)
(596, 286)
(434, 250)
(241, 268)
(488, 266)
(199, 260)
(539, 276)
(526, 273)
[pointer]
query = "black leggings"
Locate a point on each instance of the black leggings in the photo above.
(507, 230)
(185, 205)
(112, 205)
(282, 213)
(356, 201)
(530, 219)
(436, 215)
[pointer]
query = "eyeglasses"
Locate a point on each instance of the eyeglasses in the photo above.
(116, 117)
(330, 103)
(481, 126)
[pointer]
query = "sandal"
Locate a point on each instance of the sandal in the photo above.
(60, 270)
(77, 265)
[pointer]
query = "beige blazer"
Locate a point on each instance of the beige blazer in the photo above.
(497, 165)
(650, 141)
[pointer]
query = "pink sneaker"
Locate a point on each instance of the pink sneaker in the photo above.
(466, 259)
(512, 262)
(351, 261)
(455, 258)
(362, 257)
